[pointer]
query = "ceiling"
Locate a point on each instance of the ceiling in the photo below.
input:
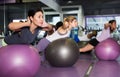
(90, 7)
(94, 6)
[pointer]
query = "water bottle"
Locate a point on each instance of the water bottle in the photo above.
(74, 34)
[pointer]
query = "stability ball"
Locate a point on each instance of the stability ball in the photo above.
(62, 52)
(19, 61)
(108, 49)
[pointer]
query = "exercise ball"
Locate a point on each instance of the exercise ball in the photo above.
(108, 49)
(62, 52)
(19, 61)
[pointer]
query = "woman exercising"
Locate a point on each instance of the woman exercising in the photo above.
(26, 32)
(62, 32)
(106, 33)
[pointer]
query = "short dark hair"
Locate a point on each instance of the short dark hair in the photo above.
(111, 21)
(32, 12)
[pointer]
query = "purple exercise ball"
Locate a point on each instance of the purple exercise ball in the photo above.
(108, 49)
(19, 61)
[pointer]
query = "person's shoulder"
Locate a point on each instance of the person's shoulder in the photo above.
(39, 28)
(25, 27)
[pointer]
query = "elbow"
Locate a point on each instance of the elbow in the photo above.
(10, 26)
(50, 27)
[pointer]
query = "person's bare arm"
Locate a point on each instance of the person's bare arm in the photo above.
(48, 27)
(15, 26)
(106, 25)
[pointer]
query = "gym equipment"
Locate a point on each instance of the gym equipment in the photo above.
(19, 61)
(62, 52)
(108, 49)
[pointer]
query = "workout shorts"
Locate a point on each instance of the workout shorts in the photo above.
(94, 42)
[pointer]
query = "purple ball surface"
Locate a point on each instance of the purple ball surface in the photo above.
(108, 49)
(19, 61)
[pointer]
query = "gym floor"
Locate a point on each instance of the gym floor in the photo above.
(87, 66)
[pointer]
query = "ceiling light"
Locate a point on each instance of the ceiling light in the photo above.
(69, 2)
